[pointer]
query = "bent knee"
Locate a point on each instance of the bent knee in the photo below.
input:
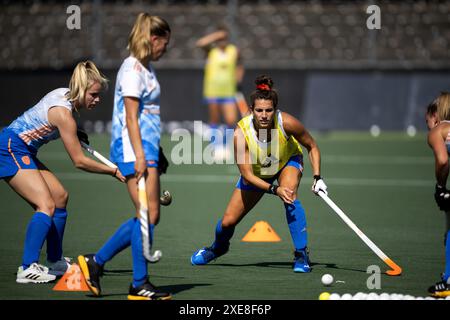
(61, 199)
(293, 185)
(47, 207)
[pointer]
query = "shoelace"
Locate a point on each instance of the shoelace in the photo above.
(39, 267)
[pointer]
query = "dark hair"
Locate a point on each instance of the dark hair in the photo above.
(222, 27)
(264, 91)
(431, 108)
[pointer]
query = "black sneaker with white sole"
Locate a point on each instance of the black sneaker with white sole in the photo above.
(92, 272)
(147, 291)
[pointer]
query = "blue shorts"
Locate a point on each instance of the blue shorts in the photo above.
(220, 100)
(15, 154)
(295, 161)
(127, 168)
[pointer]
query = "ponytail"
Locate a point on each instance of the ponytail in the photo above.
(145, 26)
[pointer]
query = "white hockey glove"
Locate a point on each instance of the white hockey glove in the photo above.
(319, 185)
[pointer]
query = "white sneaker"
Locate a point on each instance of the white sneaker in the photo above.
(35, 273)
(59, 267)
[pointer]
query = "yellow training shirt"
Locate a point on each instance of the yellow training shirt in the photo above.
(220, 73)
(268, 158)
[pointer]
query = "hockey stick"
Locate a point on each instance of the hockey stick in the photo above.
(143, 207)
(395, 269)
(164, 200)
(143, 219)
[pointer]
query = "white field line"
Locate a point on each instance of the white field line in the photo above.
(344, 159)
(388, 160)
(227, 179)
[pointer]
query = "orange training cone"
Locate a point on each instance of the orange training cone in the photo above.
(261, 232)
(72, 280)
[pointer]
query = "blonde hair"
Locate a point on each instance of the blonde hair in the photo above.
(145, 26)
(83, 77)
(440, 106)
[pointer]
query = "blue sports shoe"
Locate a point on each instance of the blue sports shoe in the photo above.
(301, 261)
(205, 255)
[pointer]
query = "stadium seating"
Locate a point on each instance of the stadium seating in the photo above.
(285, 33)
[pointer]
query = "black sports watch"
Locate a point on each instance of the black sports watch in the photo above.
(273, 189)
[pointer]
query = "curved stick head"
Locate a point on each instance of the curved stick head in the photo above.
(166, 198)
(395, 268)
(155, 257)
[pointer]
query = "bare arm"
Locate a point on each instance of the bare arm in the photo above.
(239, 69)
(206, 41)
(294, 127)
(134, 132)
(62, 118)
(243, 160)
(437, 144)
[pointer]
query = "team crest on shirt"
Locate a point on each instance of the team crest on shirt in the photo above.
(26, 160)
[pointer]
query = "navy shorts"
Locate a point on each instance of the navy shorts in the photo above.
(15, 154)
(295, 161)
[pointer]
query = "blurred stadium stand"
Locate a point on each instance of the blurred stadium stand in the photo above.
(309, 46)
(286, 34)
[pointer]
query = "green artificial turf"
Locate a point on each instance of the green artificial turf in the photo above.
(385, 185)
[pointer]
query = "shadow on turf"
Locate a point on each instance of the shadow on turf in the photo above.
(173, 289)
(119, 272)
(283, 264)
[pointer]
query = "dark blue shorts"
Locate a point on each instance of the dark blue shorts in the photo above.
(294, 161)
(15, 154)
(127, 168)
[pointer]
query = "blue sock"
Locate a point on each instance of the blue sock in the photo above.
(120, 240)
(296, 219)
(139, 261)
(37, 231)
(223, 236)
(447, 257)
(55, 235)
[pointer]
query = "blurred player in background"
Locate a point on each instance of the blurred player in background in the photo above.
(135, 149)
(438, 121)
(222, 82)
(49, 119)
(267, 148)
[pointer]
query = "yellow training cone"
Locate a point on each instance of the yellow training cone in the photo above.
(261, 232)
